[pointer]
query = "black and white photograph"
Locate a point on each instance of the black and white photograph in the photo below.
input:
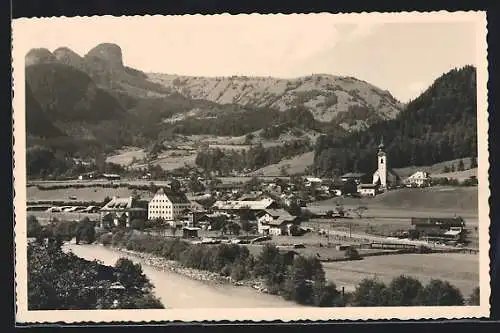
(251, 167)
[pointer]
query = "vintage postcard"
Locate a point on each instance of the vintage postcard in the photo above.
(251, 167)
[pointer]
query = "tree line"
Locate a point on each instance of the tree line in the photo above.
(226, 161)
(300, 279)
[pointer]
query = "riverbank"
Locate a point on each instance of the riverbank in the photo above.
(179, 287)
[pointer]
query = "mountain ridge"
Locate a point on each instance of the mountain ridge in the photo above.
(357, 103)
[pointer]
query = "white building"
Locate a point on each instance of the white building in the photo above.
(121, 211)
(368, 189)
(274, 222)
(169, 206)
(419, 179)
(384, 176)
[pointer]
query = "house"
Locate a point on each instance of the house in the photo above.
(357, 177)
(312, 181)
(275, 222)
(368, 189)
(235, 205)
(438, 228)
(418, 179)
(121, 211)
(384, 175)
(190, 232)
(168, 205)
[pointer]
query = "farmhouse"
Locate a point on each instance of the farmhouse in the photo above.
(418, 179)
(437, 228)
(275, 222)
(384, 176)
(368, 189)
(168, 205)
(120, 211)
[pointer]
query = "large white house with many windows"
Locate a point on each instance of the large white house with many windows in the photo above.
(168, 205)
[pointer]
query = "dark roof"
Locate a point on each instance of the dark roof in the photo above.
(177, 197)
(453, 221)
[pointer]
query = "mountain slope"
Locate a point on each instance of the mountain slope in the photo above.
(67, 94)
(437, 126)
(349, 102)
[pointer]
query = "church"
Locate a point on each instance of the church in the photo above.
(384, 177)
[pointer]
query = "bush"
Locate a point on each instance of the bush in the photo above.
(106, 239)
(474, 297)
(137, 224)
(370, 292)
(351, 253)
(404, 291)
(34, 229)
(442, 293)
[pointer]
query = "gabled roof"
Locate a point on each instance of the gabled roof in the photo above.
(279, 216)
(118, 203)
(174, 197)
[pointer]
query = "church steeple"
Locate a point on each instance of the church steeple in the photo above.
(381, 144)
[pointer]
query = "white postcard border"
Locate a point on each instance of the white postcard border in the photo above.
(23, 315)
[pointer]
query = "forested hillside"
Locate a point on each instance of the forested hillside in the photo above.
(437, 126)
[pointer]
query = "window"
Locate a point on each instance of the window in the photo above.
(381, 161)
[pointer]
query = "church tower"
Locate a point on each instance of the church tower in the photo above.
(382, 165)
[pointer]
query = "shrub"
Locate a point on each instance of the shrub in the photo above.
(34, 229)
(404, 291)
(351, 253)
(106, 239)
(442, 293)
(370, 292)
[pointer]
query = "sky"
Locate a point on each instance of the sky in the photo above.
(401, 55)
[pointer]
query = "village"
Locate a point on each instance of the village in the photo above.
(304, 212)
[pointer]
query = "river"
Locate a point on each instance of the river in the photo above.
(177, 291)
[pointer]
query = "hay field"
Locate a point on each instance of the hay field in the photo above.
(435, 170)
(126, 155)
(461, 270)
(45, 217)
(294, 165)
(408, 202)
(81, 194)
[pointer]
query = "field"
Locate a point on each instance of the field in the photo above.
(125, 156)
(436, 170)
(443, 200)
(45, 217)
(294, 165)
(460, 270)
(81, 194)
